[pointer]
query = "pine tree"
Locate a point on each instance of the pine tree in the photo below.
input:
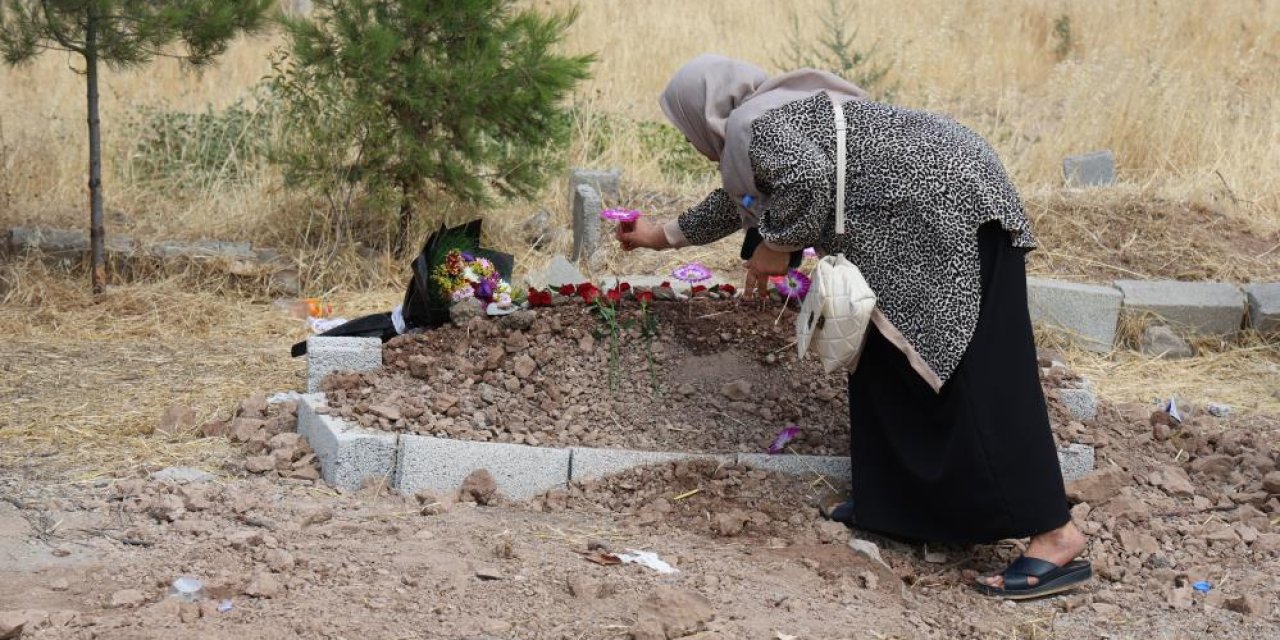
(119, 34)
(398, 97)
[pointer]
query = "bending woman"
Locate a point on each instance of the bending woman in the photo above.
(950, 436)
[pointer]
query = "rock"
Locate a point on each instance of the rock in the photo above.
(259, 464)
(536, 229)
(1098, 487)
(255, 406)
(1094, 169)
(188, 612)
(177, 420)
(524, 366)
(309, 472)
(488, 572)
(166, 508)
(933, 556)
(518, 321)
(1172, 480)
(1180, 595)
(243, 429)
(672, 612)
(829, 532)
(480, 487)
(561, 272)
(464, 311)
(388, 411)
(12, 624)
(1216, 466)
(443, 402)
(215, 429)
(738, 390)
(730, 523)
(127, 598)
(289, 440)
(1161, 342)
(1126, 507)
(243, 540)
(1267, 543)
(183, 475)
(1271, 483)
(868, 550)
(1139, 543)
(263, 585)
(1249, 605)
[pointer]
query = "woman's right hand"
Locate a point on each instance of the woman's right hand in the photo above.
(646, 234)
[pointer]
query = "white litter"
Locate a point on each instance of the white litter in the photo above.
(1172, 410)
(285, 396)
(321, 325)
(646, 559)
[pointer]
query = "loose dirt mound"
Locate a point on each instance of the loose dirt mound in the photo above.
(720, 376)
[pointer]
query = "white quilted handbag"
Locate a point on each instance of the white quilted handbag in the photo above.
(833, 318)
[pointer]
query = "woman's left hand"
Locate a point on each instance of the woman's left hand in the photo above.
(765, 262)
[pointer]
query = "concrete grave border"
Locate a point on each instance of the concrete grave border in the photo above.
(352, 457)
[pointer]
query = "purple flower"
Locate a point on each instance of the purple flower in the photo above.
(794, 285)
(620, 215)
(783, 438)
(484, 288)
(810, 252)
(467, 256)
(692, 272)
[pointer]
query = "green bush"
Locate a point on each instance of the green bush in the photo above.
(200, 150)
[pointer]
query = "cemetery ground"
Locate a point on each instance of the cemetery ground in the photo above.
(92, 537)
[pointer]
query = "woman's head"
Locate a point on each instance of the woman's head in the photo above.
(702, 94)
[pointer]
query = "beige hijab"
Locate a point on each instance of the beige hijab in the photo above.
(713, 100)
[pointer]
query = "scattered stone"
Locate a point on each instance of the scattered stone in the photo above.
(738, 390)
(1271, 483)
(479, 487)
(183, 475)
(188, 612)
(1172, 480)
(243, 429)
(1249, 605)
(488, 572)
(537, 228)
(279, 560)
(127, 598)
(1216, 465)
(263, 585)
(255, 406)
(388, 411)
(12, 624)
(584, 588)
(443, 402)
(215, 429)
(561, 272)
(1160, 341)
(868, 550)
(671, 612)
(524, 366)
(730, 523)
(464, 311)
(259, 464)
(1098, 487)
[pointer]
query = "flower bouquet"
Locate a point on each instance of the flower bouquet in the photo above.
(463, 275)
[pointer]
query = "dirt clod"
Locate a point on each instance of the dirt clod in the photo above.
(479, 487)
(671, 612)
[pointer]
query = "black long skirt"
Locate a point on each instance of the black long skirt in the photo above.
(976, 462)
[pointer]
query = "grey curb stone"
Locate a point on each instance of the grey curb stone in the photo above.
(1088, 312)
(589, 463)
(441, 464)
(1264, 306)
(1076, 461)
(1082, 403)
(837, 467)
(348, 454)
(1097, 169)
(1210, 308)
(326, 355)
(561, 272)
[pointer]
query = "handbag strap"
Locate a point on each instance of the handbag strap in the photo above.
(841, 156)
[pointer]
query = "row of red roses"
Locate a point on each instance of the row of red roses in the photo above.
(590, 293)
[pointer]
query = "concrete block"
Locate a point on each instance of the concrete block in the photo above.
(326, 355)
(63, 243)
(1264, 306)
(586, 221)
(1089, 313)
(1207, 308)
(1076, 461)
(562, 272)
(441, 464)
(837, 468)
(607, 183)
(588, 463)
(348, 455)
(1082, 403)
(1096, 169)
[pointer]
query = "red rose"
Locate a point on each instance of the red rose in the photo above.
(566, 289)
(645, 297)
(589, 295)
(728, 288)
(664, 285)
(613, 295)
(586, 286)
(698, 289)
(624, 287)
(539, 298)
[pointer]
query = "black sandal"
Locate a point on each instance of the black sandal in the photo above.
(1050, 578)
(837, 509)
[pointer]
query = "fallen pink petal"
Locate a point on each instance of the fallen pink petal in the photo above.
(784, 438)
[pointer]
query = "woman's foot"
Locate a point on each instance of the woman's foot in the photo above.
(1060, 546)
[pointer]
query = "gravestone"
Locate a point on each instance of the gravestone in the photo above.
(562, 272)
(586, 221)
(1197, 308)
(1264, 306)
(1088, 313)
(607, 183)
(1097, 169)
